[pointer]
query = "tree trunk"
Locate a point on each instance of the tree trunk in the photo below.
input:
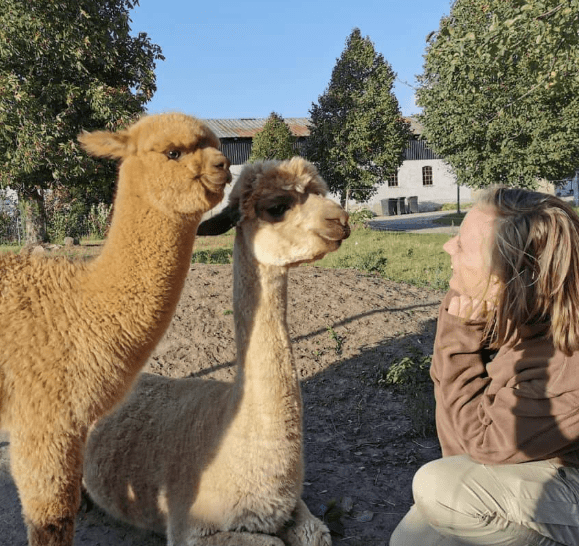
(33, 216)
(344, 198)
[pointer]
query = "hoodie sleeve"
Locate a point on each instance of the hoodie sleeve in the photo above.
(521, 406)
(459, 377)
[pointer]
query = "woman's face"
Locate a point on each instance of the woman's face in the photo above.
(470, 254)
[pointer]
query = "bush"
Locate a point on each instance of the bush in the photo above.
(65, 222)
(98, 220)
(215, 256)
(360, 216)
(410, 376)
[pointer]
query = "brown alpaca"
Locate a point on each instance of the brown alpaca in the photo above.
(73, 336)
(211, 463)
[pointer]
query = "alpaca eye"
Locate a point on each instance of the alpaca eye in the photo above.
(173, 154)
(278, 211)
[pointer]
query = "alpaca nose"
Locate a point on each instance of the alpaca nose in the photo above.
(339, 216)
(221, 163)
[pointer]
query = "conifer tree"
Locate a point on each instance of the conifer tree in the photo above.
(274, 141)
(357, 134)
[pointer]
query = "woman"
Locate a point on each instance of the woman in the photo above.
(506, 380)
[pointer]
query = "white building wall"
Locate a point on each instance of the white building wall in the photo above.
(443, 189)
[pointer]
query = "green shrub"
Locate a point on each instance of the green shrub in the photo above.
(65, 217)
(411, 377)
(98, 220)
(65, 223)
(360, 216)
(213, 256)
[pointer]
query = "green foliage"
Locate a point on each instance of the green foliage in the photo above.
(98, 220)
(274, 141)
(337, 339)
(66, 66)
(409, 372)
(411, 377)
(357, 135)
(359, 217)
(64, 216)
(213, 256)
(401, 257)
(500, 91)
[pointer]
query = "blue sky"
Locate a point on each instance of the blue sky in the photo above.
(248, 58)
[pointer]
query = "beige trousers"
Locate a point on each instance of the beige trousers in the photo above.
(459, 502)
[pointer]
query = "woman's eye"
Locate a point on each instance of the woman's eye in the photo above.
(278, 210)
(173, 154)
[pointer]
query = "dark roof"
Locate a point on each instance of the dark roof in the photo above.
(236, 137)
(418, 149)
(248, 127)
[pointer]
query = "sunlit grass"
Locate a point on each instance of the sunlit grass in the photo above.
(15, 249)
(416, 259)
(412, 258)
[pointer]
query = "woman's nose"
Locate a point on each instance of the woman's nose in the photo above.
(450, 245)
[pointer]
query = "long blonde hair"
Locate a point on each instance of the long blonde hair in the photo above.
(536, 258)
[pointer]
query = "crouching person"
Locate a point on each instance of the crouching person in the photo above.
(506, 380)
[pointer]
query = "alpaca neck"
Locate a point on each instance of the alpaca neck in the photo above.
(267, 380)
(141, 270)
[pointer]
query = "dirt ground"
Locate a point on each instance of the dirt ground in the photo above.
(347, 327)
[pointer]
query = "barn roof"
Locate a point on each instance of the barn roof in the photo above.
(248, 127)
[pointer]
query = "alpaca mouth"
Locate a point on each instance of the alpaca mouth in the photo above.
(336, 235)
(214, 185)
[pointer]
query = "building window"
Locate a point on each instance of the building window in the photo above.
(393, 180)
(427, 176)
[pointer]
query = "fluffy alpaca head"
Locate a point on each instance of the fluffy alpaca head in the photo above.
(170, 160)
(282, 212)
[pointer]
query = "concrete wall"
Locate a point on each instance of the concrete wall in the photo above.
(443, 189)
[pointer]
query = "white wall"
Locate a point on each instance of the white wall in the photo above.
(443, 189)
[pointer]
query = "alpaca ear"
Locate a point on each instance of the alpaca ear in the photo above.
(220, 223)
(106, 144)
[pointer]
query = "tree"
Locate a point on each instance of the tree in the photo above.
(500, 91)
(65, 66)
(274, 141)
(357, 135)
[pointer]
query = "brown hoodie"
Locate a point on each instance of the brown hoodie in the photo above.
(522, 404)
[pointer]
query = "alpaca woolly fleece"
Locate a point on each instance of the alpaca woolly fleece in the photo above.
(74, 335)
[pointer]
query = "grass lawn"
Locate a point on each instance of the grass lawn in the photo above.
(416, 259)
(412, 258)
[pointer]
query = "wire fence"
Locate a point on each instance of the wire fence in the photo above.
(11, 230)
(94, 226)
